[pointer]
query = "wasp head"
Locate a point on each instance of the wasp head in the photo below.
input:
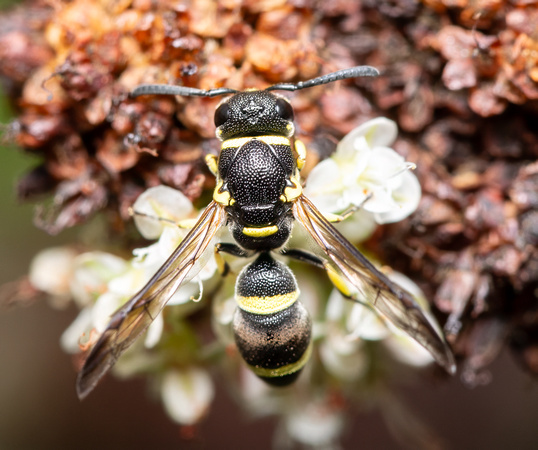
(254, 113)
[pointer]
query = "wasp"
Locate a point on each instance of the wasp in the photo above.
(258, 196)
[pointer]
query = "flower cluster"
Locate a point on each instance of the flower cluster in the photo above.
(99, 283)
(366, 173)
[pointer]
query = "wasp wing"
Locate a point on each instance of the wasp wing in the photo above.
(133, 318)
(389, 299)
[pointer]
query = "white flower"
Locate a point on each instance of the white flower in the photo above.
(187, 394)
(316, 423)
(362, 322)
(408, 351)
(364, 171)
(92, 271)
(358, 227)
(101, 283)
(343, 358)
(51, 270)
(340, 351)
(70, 339)
(402, 347)
(160, 202)
(257, 397)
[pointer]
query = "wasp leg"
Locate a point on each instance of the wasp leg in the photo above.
(303, 256)
(336, 279)
(334, 276)
(185, 223)
(231, 249)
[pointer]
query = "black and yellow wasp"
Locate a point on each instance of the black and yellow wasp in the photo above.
(258, 195)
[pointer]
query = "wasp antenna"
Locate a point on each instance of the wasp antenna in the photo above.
(352, 72)
(167, 89)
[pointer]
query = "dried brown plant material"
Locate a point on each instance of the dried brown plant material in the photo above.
(21, 55)
(524, 190)
(484, 344)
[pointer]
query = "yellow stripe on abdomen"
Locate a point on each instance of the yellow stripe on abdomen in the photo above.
(267, 305)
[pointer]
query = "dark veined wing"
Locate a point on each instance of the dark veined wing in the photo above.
(133, 318)
(389, 299)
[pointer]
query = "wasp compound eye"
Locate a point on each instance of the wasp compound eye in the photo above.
(284, 109)
(222, 114)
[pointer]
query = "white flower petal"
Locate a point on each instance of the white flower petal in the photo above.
(383, 168)
(336, 307)
(134, 362)
(407, 351)
(333, 203)
(256, 396)
(377, 132)
(155, 330)
(354, 152)
(160, 202)
(128, 283)
(381, 201)
(358, 227)
(69, 341)
(104, 307)
(147, 256)
(345, 359)
(184, 294)
(224, 310)
(52, 269)
(324, 179)
(91, 273)
(208, 270)
(407, 198)
(357, 163)
(315, 424)
(170, 238)
(187, 394)
(151, 258)
(365, 324)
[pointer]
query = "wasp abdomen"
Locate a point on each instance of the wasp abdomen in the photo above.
(272, 329)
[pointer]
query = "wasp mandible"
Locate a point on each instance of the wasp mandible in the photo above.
(258, 195)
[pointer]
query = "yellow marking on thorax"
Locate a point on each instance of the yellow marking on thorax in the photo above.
(288, 369)
(269, 139)
(211, 161)
(291, 193)
(267, 305)
(260, 231)
(300, 148)
(223, 197)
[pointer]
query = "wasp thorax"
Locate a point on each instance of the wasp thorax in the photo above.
(254, 113)
(272, 329)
